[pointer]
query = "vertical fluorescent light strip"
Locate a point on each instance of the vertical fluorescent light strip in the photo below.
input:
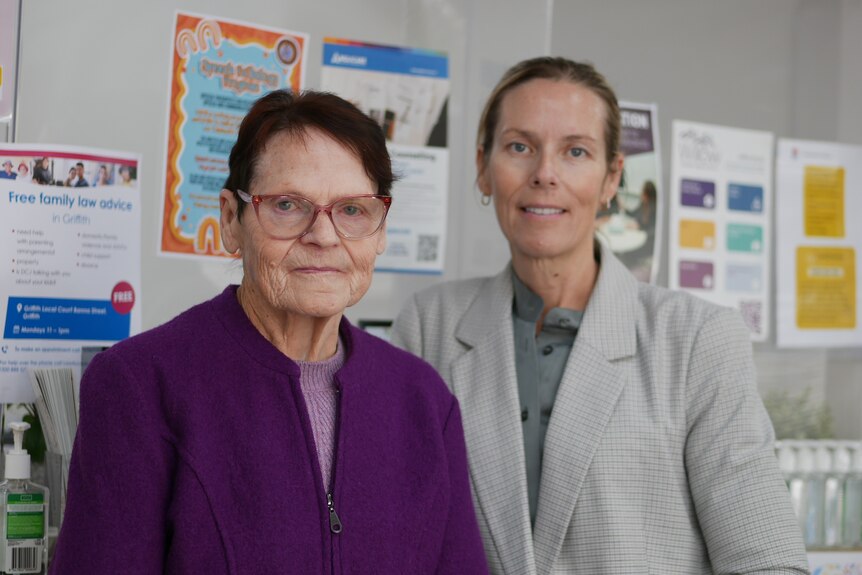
(14, 123)
(549, 17)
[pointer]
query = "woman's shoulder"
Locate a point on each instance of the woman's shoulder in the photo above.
(176, 336)
(683, 313)
(454, 297)
(380, 363)
(380, 356)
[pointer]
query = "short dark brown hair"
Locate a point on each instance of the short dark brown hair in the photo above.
(285, 112)
(551, 68)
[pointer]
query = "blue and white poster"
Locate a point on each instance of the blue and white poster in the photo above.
(70, 229)
(406, 91)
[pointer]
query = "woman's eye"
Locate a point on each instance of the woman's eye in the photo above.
(518, 147)
(577, 152)
(351, 210)
(284, 205)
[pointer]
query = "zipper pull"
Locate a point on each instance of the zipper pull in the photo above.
(334, 521)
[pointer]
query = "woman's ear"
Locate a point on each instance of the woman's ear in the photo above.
(481, 174)
(612, 180)
(381, 240)
(229, 225)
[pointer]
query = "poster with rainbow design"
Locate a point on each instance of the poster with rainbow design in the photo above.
(218, 69)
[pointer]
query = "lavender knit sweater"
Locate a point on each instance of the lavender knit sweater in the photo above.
(317, 379)
(195, 454)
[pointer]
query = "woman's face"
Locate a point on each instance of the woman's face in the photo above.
(547, 171)
(320, 273)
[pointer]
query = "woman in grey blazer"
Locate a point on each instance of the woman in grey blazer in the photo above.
(612, 426)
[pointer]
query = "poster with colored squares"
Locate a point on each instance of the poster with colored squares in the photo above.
(819, 243)
(720, 218)
(218, 69)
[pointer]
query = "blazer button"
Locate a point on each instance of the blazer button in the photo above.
(524, 415)
(548, 350)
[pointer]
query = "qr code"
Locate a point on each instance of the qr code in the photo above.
(752, 314)
(428, 246)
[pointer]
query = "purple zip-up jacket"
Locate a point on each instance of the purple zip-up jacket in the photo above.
(195, 455)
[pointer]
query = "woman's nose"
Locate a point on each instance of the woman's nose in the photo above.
(545, 174)
(322, 232)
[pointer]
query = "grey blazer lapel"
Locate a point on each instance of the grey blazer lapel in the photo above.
(592, 383)
(484, 381)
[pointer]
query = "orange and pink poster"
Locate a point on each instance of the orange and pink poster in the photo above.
(218, 69)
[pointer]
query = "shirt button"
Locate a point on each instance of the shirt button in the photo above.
(548, 350)
(524, 415)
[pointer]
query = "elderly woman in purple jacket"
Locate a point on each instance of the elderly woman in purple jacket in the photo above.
(260, 432)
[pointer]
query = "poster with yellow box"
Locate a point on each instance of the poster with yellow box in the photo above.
(818, 185)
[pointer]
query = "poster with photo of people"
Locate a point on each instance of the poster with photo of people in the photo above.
(631, 224)
(70, 247)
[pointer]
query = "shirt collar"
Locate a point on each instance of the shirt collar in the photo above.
(528, 307)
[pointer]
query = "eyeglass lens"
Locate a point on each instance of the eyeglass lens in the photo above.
(290, 216)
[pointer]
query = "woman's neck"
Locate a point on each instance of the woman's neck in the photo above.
(561, 282)
(299, 337)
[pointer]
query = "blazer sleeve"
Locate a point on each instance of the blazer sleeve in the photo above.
(740, 497)
(119, 478)
(462, 544)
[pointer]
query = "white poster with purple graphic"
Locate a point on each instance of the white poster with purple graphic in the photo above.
(720, 218)
(70, 247)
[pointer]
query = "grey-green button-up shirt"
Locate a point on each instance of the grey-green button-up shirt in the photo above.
(539, 364)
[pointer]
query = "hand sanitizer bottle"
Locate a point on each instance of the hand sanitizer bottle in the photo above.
(812, 516)
(23, 513)
(853, 501)
(795, 481)
(833, 497)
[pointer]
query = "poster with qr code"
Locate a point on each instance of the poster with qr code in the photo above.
(819, 192)
(720, 218)
(406, 91)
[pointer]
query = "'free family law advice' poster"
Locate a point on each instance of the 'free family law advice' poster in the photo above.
(819, 197)
(218, 69)
(406, 91)
(720, 218)
(70, 229)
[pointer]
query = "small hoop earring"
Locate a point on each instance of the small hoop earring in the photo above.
(486, 200)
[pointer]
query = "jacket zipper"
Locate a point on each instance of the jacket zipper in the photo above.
(334, 521)
(335, 525)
